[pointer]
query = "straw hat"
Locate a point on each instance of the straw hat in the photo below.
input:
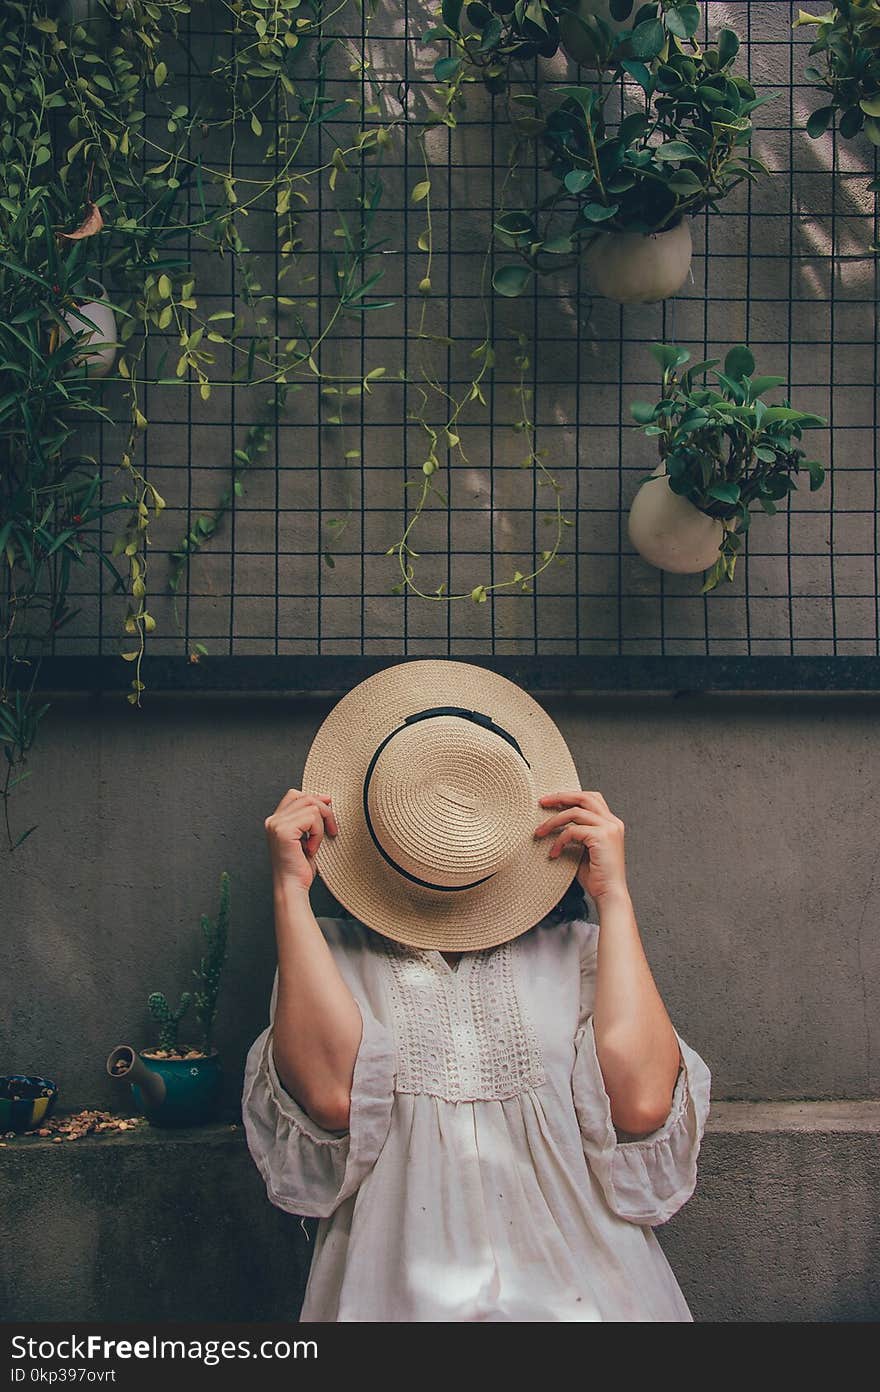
(435, 768)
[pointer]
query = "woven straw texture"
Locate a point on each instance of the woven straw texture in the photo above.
(449, 800)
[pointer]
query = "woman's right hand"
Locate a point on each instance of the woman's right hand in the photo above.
(294, 832)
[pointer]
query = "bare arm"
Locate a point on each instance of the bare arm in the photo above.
(635, 1042)
(317, 1029)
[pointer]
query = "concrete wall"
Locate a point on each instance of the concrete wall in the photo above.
(752, 849)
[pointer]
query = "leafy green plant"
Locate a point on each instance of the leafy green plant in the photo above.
(683, 150)
(501, 34)
(847, 72)
(723, 447)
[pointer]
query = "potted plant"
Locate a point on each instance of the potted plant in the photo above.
(498, 34)
(179, 1084)
(88, 316)
(847, 72)
(721, 449)
(627, 187)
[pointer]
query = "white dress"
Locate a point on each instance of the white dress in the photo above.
(481, 1177)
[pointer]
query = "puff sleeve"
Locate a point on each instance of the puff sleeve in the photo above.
(647, 1180)
(307, 1170)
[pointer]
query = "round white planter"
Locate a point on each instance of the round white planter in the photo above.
(101, 358)
(640, 267)
(669, 532)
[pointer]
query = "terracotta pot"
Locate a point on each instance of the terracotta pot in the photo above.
(101, 358)
(669, 532)
(640, 267)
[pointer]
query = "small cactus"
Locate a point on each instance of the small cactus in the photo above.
(211, 964)
(208, 976)
(168, 1019)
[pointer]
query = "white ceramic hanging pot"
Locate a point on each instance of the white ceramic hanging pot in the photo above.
(669, 532)
(101, 358)
(640, 267)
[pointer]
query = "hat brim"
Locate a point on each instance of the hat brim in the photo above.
(518, 895)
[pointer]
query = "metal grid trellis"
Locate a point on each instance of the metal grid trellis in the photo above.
(783, 266)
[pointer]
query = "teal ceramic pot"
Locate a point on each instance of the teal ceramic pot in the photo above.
(192, 1090)
(25, 1101)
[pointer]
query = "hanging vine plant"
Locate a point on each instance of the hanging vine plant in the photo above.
(442, 412)
(105, 184)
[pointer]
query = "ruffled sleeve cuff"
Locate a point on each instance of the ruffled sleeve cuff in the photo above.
(647, 1180)
(308, 1170)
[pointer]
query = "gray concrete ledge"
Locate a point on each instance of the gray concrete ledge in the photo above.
(152, 1224)
(829, 1117)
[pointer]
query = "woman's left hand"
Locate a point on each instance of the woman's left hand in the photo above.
(588, 819)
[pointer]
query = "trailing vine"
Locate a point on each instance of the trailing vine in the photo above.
(95, 205)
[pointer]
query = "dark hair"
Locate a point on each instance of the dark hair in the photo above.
(573, 904)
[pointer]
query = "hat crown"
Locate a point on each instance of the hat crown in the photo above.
(450, 801)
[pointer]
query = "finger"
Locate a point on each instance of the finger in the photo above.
(319, 801)
(584, 797)
(313, 833)
(569, 835)
(571, 814)
(570, 796)
(295, 795)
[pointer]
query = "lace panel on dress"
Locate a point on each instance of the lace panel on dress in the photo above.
(461, 1035)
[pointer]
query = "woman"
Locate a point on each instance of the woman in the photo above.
(477, 1090)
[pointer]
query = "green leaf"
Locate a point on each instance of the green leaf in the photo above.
(598, 212)
(421, 190)
(725, 492)
(676, 150)
(872, 129)
(160, 74)
(639, 73)
(576, 180)
(684, 17)
(758, 385)
(451, 11)
(643, 412)
(647, 39)
(683, 20)
(557, 246)
(817, 474)
(444, 68)
(870, 106)
(739, 362)
(775, 414)
(511, 280)
(818, 121)
(728, 47)
(685, 182)
(668, 356)
(584, 96)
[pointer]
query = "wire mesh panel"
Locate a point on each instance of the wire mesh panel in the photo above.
(522, 402)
